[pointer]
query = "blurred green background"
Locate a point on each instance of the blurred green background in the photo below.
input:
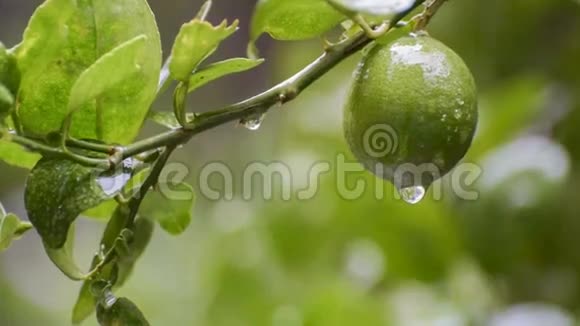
(509, 258)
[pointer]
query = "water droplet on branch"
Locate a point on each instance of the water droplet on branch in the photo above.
(253, 122)
(109, 299)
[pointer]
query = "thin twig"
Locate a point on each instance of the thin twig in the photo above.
(150, 182)
(58, 152)
(431, 8)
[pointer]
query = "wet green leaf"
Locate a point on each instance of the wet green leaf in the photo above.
(293, 19)
(11, 228)
(194, 43)
(171, 206)
(123, 312)
(221, 69)
(57, 191)
(107, 72)
(64, 38)
(373, 7)
(110, 184)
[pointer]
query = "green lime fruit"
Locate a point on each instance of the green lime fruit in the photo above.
(9, 73)
(411, 113)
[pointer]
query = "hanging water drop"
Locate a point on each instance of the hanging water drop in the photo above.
(253, 123)
(413, 195)
(109, 299)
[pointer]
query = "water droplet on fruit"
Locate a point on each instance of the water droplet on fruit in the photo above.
(457, 114)
(253, 123)
(412, 195)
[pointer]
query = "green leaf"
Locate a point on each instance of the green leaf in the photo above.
(6, 103)
(16, 155)
(107, 72)
(63, 39)
(221, 69)
(171, 206)
(293, 19)
(11, 228)
(85, 304)
(373, 7)
(45, 34)
(9, 82)
(9, 73)
(196, 41)
(142, 234)
(123, 312)
(124, 266)
(63, 257)
(57, 191)
(168, 119)
(102, 212)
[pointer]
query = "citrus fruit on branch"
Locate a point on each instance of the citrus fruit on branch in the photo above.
(412, 112)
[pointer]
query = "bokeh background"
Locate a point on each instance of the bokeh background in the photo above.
(509, 258)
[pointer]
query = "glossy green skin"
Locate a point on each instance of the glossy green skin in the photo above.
(423, 91)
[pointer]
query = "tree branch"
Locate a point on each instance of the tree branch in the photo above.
(259, 104)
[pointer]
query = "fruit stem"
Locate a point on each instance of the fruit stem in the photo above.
(372, 33)
(431, 8)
